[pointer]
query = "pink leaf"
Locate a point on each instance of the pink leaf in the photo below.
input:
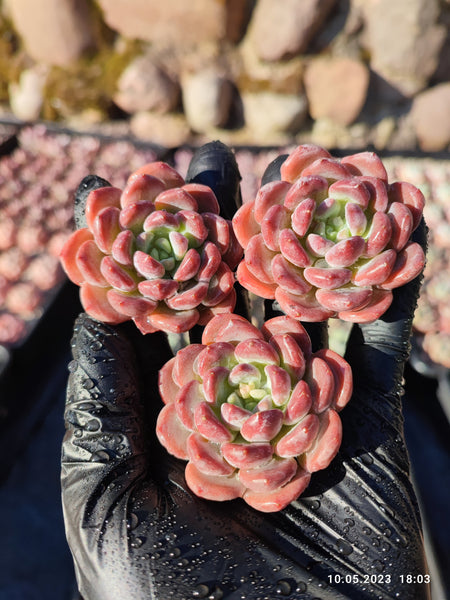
(292, 249)
(99, 199)
(327, 278)
(220, 285)
(376, 270)
(351, 190)
(141, 187)
(132, 306)
(210, 261)
(304, 308)
(312, 188)
(302, 216)
(402, 225)
(183, 370)
(215, 384)
(165, 319)
(262, 426)
(249, 456)
(213, 487)
(288, 276)
(168, 175)
(318, 245)
(158, 289)
(329, 168)
(188, 267)
(218, 231)
(378, 192)
(379, 234)
(355, 218)
(269, 195)
(299, 159)
(229, 328)
(278, 326)
(378, 305)
(214, 355)
(147, 266)
(186, 402)
(233, 415)
(410, 262)
(171, 433)
(328, 442)
(270, 476)
(299, 403)
(365, 163)
(320, 379)
(343, 299)
(280, 383)
(281, 497)
(123, 247)
(204, 196)
(69, 251)
(300, 438)
(134, 215)
(343, 377)
(190, 297)
(276, 219)
(88, 260)
(253, 284)
(346, 252)
(95, 302)
(209, 425)
(244, 224)
(292, 357)
(410, 196)
(106, 228)
(168, 389)
(258, 259)
(256, 350)
(116, 275)
(207, 457)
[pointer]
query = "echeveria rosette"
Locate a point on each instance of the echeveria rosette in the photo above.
(332, 238)
(157, 252)
(254, 412)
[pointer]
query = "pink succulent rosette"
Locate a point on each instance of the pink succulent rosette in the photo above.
(332, 238)
(253, 412)
(157, 252)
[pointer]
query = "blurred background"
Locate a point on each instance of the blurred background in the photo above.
(105, 86)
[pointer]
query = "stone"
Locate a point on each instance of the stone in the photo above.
(430, 115)
(336, 88)
(54, 32)
(281, 29)
(27, 96)
(207, 97)
(144, 85)
(404, 39)
(168, 130)
(268, 113)
(176, 23)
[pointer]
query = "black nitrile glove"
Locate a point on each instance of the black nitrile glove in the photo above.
(137, 532)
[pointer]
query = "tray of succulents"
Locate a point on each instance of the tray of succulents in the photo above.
(216, 447)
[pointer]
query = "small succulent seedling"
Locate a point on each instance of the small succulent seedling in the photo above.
(157, 252)
(332, 238)
(254, 412)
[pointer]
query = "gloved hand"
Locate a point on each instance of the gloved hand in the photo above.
(137, 532)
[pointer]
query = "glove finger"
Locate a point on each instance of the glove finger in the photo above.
(378, 351)
(214, 165)
(86, 186)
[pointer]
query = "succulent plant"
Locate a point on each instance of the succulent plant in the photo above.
(332, 238)
(254, 412)
(157, 252)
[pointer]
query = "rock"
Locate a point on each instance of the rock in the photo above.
(281, 29)
(54, 32)
(168, 130)
(336, 88)
(144, 85)
(268, 113)
(207, 97)
(26, 96)
(176, 23)
(431, 118)
(404, 39)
